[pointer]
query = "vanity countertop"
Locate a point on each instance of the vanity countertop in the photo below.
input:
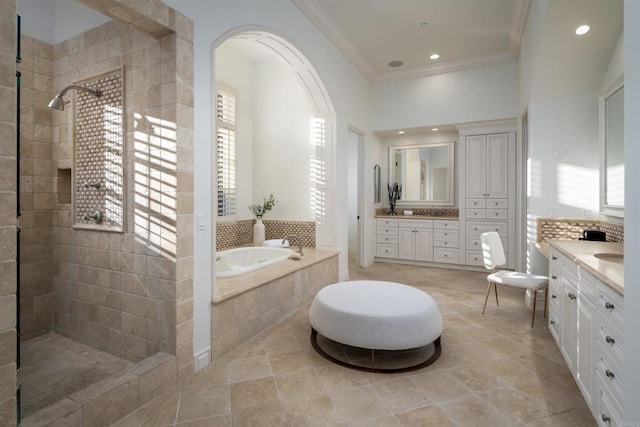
(583, 253)
(400, 216)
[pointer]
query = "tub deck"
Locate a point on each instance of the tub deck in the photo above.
(230, 287)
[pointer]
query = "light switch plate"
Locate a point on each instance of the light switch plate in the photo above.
(201, 222)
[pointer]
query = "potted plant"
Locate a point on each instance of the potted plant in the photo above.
(259, 211)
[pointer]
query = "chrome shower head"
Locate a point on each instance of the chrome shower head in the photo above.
(57, 102)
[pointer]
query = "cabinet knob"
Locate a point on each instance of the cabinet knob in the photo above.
(609, 340)
(553, 296)
(552, 322)
(571, 296)
(609, 306)
(553, 257)
(606, 418)
(554, 277)
(609, 374)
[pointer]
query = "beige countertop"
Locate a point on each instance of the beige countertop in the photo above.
(582, 253)
(448, 218)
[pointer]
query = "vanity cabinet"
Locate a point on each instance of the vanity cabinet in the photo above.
(488, 193)
(418, 239)
(585, 320)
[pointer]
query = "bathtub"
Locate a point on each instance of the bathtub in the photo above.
(234, 262)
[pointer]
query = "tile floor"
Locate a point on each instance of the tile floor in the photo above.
(494, 371)
(53, 367)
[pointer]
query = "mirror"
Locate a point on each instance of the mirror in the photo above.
(425, 172)
(612, 150)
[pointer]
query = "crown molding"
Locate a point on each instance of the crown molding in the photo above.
(319, 16)
(518, 21)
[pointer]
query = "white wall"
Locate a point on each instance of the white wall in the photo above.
(632, 211)
(349, 91)
(479, 94)
(281, 141)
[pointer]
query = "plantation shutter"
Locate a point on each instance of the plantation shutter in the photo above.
(226, 151)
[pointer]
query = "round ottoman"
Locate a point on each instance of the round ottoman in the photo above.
(376, 315)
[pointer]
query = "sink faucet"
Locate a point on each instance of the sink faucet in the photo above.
(297, 240)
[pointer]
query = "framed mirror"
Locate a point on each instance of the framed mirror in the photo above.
(426, 173)
(612, 149)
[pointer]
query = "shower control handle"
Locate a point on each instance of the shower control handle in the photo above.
(96, 216)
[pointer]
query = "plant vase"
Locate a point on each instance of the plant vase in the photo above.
(258, 232)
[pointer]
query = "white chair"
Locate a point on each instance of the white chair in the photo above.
(493, 254)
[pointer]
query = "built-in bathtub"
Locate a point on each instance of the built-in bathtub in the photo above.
(234, 262)
(247, 304)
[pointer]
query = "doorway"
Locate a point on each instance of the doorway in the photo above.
(355, 199)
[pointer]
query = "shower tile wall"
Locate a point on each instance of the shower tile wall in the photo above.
(37, 190)
(8, 270)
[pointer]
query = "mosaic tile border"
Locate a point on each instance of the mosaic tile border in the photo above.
(99, 154)
(235, 234)
(571, 229)
(443, 212)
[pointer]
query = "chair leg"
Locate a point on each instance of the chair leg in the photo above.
(486, 298)
(546, 296)
(533, 316)
(495, 288)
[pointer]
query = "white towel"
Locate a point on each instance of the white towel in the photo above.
(276, 243)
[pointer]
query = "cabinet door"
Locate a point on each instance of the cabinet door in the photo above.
(406, 243)
(585, 376)
(497, 164)
(476, 159)
(424, 245)
(569, 324)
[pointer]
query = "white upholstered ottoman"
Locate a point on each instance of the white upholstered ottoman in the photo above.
(378, 316)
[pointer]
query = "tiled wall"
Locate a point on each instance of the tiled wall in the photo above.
(571, 229)
(235, 234)
(8, 156)
(37, 189)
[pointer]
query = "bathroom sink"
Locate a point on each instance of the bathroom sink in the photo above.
(617, 258)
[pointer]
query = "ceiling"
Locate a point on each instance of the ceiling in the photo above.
(465, 33)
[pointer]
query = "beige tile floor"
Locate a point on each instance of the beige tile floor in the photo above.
(494, 371)
(54, 367)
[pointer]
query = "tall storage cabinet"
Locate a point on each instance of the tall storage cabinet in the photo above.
(488, 193)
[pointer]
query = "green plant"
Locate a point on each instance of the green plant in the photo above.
(266, 206)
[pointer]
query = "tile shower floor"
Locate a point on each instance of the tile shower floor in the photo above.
(53, 367)
(494, 371)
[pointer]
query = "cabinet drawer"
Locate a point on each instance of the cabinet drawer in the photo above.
(610, 375)
(587, 285)
(555, 292)
(610, 306)
(476, 213)
(611, 341)
(497, 203)
(415, 223)
(446, 255)
(477, 228)
(445, 225)
(564, 265)
(476, 203)
(496, 214)
(445, 243)
(610, 413)
(386, 222)
(387, 231)
(445, 234)
(386, 251)
(474, 243)
(554, 323)
(386, 238)
(474, 258)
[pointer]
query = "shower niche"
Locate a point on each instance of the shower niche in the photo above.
(99, 154)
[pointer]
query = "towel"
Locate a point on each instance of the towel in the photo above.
(276, 243)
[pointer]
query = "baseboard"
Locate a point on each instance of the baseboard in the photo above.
(202, 359)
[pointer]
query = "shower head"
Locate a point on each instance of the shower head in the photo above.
(57, 103)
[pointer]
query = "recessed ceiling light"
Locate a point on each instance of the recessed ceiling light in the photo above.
(582, 29)
(423, 25)
(434, 129)
(434, 56)
(395, 64)
(400, 132)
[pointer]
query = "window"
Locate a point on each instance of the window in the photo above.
(226, 151)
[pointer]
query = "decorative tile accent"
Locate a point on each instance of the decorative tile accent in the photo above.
(440, 212)
(240, 233)
(99, 152)
(571, 229)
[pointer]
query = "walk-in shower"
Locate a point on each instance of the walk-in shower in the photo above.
(58, 102)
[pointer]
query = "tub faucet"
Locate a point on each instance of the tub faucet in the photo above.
(297, 239)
